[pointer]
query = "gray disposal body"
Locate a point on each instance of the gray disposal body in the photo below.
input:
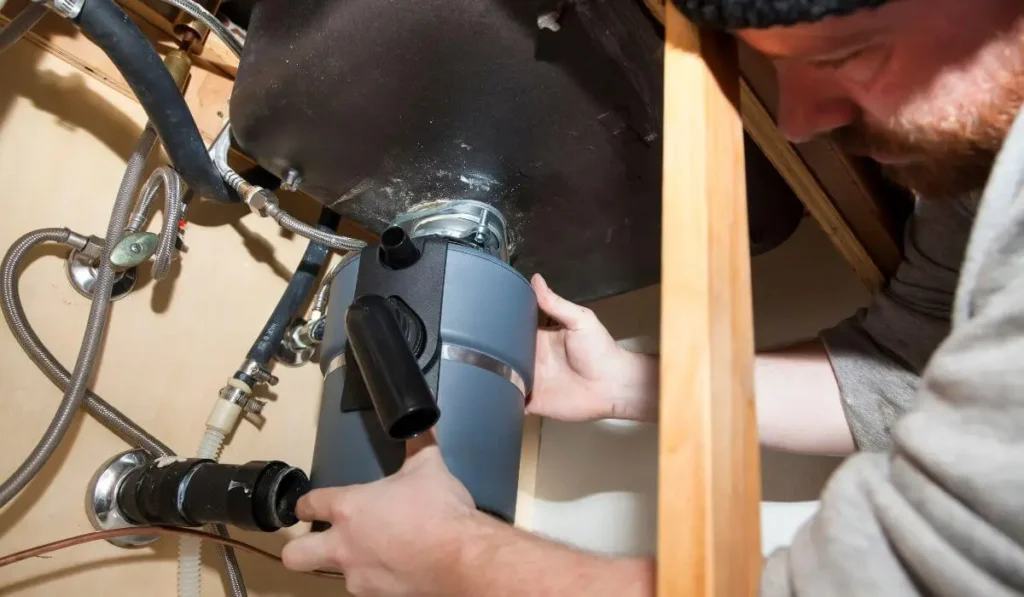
(480, 373)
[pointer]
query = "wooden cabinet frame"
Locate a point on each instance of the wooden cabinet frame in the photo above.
(709, 487)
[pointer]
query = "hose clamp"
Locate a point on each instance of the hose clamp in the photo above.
(334, 364)
(234, 395)
(65, 8)
(484, 361)
(458, 354)
(258, 372)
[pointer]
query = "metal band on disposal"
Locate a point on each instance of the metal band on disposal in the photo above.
(458, 354)
(475, 358)
(334, 364)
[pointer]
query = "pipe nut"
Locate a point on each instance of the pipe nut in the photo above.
(93, 248)
(260, 201)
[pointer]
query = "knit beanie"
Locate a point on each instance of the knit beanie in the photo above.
(757, 14)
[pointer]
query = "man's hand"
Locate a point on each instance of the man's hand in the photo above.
(582, 374)
(391, 538)
(417, 533)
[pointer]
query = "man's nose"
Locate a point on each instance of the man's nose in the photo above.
(810, 104)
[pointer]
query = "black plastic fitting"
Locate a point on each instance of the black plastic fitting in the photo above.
(400, 393)
(397, 250)
(190, 493)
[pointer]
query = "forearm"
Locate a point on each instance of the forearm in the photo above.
(799, 408)
(498, 560)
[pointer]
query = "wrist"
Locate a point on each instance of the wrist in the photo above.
(479, 540)
(635, 396)
(498, 560)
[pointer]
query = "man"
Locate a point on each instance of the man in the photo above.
(930, 89)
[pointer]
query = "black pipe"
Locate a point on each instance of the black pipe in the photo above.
(387, 363)
(111, 29)
(397, 250)
(295, 294)
(259, 496)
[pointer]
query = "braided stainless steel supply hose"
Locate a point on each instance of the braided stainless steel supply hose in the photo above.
(119, 423)
(236, 584)
(264, 201)
(14, 313)
(94, 328)
(323, 294)
(293, 224)
(167, 180)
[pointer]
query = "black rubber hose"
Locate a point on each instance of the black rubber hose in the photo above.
(295, 294)
(136, 59)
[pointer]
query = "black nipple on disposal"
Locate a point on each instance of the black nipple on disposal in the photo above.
(397, 250)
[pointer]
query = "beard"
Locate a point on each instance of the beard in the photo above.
(947, 155)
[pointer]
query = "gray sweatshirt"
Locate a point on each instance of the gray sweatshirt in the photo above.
(878, 355)
(942, 511)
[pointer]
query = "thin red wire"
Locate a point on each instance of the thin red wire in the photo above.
(150, 530)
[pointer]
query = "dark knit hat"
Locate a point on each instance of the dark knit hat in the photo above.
(758, 14)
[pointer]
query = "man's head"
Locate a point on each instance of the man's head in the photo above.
(928, 88)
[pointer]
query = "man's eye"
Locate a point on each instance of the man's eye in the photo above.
(859, 67)
(838, 63)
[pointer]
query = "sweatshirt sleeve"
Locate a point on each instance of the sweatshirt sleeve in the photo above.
(878, 354)
(942, 513)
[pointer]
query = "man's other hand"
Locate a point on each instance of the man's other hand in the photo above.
(582, 374)
(391, 537)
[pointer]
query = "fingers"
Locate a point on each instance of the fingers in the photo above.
(314, 551)
(318, 504)
(570, 315)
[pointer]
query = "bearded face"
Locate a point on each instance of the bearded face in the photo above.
(927, 88)
(944, 143)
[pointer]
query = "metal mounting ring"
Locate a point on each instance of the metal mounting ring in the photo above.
(470, 222)
(82, 274)
(101, 498)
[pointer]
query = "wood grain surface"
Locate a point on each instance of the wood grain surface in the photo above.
(709, 477)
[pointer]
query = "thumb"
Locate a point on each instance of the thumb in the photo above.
(421, 443)
(569, 314)
(422, 453)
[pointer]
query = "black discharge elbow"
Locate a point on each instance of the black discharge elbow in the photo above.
(190, 493)
(385, 338)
